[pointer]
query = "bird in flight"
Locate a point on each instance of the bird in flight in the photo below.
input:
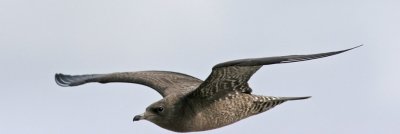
(190, 104)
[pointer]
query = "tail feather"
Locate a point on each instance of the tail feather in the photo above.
(293, 98)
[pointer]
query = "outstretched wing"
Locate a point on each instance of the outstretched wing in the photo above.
(163, 82)
(234, 75)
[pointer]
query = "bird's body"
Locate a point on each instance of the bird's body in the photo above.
(190, 104)
(232, 108)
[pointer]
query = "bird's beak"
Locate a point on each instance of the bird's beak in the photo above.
(138, 117)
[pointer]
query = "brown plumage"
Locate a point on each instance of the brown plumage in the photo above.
(190, 104)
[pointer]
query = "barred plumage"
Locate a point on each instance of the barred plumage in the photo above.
(190, 104)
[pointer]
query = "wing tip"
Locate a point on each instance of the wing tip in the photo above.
(61, 80)
(321, 55)
(341, 51)
(351, 48)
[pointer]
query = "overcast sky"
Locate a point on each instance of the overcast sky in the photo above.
(354, 92)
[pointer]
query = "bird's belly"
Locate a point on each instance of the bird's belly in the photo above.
(225, 111)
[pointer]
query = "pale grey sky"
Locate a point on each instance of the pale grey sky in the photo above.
(354, 92)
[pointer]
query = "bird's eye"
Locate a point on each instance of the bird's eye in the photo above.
(159, 109)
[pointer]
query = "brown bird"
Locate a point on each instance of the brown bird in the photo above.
(190, 104)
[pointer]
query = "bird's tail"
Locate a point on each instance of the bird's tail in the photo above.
(293, 98)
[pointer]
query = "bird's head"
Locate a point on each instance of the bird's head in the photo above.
(163, 112)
